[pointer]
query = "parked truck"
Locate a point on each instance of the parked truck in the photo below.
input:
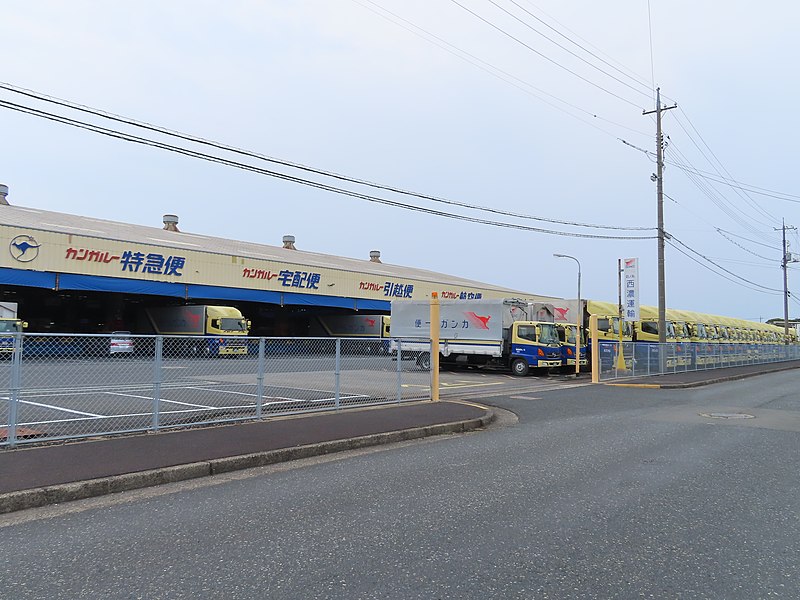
(369, 332)
(200, 330)
(507, 333)
(9, 324)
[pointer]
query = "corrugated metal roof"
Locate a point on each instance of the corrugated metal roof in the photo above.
(36, 219)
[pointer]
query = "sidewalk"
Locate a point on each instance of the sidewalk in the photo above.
(32, 476)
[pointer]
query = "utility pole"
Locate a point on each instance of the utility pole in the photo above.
(662, 302)
(785, 260)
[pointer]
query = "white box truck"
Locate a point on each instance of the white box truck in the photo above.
(507, 332)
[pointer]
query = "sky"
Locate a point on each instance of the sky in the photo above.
(462, 102)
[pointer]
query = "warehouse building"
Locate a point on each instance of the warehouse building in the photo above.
(70, 273)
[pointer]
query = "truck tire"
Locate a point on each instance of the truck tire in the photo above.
(520, 367)
(424, 361)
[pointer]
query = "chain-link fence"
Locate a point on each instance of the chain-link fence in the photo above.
(641, 359)
(73, 386)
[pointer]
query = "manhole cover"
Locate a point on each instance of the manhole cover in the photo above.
(720, 415)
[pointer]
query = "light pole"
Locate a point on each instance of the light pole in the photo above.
(579, 319)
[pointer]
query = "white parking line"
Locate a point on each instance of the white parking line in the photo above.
(150, 398)
(62, 409)
(220, 391)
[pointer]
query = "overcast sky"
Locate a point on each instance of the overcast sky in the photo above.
(455, 100)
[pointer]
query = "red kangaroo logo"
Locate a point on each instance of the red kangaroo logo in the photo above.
(371, 322)
(477, 320)
(561, 314)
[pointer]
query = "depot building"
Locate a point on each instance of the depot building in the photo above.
(78, 274)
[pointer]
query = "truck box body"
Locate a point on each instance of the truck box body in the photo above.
(479, 332)
(177, 320)
(369, 332)
(8, 310)
(362, 326)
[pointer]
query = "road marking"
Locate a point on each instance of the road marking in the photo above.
(190, 387)
(150, 398)
(59, 408)
(524, 398)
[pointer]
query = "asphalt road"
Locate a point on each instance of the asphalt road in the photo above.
(590, 492)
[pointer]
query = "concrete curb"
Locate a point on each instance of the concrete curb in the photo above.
(81, 490)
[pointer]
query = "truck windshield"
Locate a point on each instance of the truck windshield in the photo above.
(9, 326)
(548, 333)
(571, 336)
(228, 324)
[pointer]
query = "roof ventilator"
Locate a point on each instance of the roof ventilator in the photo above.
(171, 222)
(3, 194)
(288, 242)
(375, 256)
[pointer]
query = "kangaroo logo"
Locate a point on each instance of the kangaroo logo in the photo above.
(561, 313)
(24, 248)
(478, 321)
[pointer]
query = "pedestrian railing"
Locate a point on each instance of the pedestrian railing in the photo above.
(74, 386)
(641, 359)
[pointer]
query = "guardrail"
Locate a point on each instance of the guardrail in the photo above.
(642, 359)
(61, 387)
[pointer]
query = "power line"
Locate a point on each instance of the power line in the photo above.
(570, 40)
(227, 162)
(753, 189)
(631, 73)
(301, 167)
(509, 13)
(722, 232)
(689, 256)
(544, 56)
(739, 192)
(704, 257)
(493, 70)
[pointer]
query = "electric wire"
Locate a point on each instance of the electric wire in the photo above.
(753, 189)
(293, 179)
(771, 247)
(630, 72)
(718, 199)
(493, 70)
(739, 192)
(720, 231)
(704, 257)
(551, 40)
(705, 266)
(571, 41)
(544, 56)
(337, 176)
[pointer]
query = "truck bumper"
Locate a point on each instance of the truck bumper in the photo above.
(549, 363)
(232, 350)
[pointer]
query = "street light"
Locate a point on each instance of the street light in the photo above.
(579, 319)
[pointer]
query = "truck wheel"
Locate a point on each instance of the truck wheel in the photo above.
(519, 367)
(424, 361)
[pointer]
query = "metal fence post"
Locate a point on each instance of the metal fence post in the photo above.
(262, 366)
(399, 372)
(338, 369)
(15, 386)
(158, 377)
